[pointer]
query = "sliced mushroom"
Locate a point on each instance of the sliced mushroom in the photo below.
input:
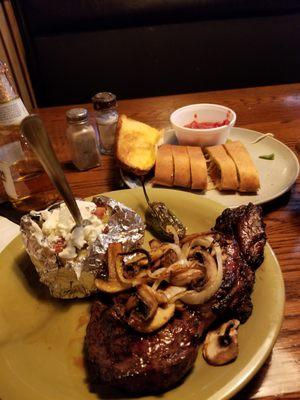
(114, 249)
(161, 317)
(221, 345)
(161, 297)
(134, 281)
(112, 285)
(147, 296)
(147, 316)
(156, 253)
(131, 303)
(154, 244)
(137, 256)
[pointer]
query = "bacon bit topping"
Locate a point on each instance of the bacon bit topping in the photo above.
(100, 212)
(106, 229)
(59, 245)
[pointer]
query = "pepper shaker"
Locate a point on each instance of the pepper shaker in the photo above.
(105, 106)
(82, 139)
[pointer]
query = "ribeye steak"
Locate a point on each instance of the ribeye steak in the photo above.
(150, 363)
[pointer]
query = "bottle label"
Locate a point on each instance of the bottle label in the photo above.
(6, 177)
(12, 112)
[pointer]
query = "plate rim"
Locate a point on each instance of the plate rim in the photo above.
(257, 360)
(269, 342)
(256, 202)
(295, 159)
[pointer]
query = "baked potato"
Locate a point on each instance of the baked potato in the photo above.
(69, 258)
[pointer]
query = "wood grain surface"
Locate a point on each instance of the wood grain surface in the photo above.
(273, 109)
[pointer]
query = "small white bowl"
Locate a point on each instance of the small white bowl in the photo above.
(202, 113)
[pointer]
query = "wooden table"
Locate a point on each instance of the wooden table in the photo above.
(273, 109)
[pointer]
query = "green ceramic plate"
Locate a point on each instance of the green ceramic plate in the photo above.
(41, 339)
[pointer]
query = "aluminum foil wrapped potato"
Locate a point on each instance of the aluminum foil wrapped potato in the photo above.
(68, 259)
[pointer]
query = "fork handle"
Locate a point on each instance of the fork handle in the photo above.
(35, 134)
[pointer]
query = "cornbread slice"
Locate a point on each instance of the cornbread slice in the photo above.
(198, 168)
(182, 168)
(164, 166)
(222, 170)
(136, 145)
(247, 173)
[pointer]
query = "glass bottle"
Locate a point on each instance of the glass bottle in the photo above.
(24, 180)
(82, 139)
(106, 114)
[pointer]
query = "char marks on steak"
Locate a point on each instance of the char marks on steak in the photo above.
(233, 299)
(245, 223)
(147, 363)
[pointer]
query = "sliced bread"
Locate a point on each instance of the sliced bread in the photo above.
(222, 169)
(247, 173)
(182, 168)
(198, 168)
(164, 166)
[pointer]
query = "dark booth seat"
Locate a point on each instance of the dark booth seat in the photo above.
(141, 48)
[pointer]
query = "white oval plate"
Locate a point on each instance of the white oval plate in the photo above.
(276, 176)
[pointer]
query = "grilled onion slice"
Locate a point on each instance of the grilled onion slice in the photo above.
(212, 285)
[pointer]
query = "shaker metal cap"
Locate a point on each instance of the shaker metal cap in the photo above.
(77, 115)
(104, 100)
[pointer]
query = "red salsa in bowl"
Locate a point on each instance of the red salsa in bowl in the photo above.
(202, 124)
(195, 124)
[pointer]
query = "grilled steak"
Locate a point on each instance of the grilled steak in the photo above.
(140, 363)
(245, 223)
(233, 299)
(146, 363)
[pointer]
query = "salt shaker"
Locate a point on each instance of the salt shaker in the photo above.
(82, 139)
(106, 119)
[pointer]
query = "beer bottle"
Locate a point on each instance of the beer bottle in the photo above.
(25, 182)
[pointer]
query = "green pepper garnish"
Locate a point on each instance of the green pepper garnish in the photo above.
(159, 219)
(268, 156)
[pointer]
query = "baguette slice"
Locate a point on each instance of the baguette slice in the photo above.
(223, 170)
(164, 166)
(247, 173)
(198, 168)
(136, 145)
(182, 168)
